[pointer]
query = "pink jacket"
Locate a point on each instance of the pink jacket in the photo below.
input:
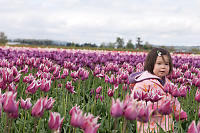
(148, 83)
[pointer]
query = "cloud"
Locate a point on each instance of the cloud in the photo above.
(162, 22)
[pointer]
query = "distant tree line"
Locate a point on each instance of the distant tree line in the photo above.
(118, 44)
(3, 38)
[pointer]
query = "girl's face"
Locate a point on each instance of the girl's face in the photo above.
(161, 67)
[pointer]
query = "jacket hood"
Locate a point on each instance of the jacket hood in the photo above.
(140, 76)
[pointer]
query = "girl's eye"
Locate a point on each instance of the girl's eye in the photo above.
(167, 64)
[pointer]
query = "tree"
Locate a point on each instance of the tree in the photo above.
(129, 45)
(147, 46)
(3, 38)
(138, 43)
(111, 45)
(103, 45)
(120, 42)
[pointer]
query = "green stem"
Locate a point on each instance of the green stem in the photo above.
(124, 126)
(24, 123)
(115, 125)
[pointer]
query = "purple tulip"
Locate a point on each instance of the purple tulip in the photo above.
(143, 112)
(131, 111)
(165, 107)
(55, 121)
(197, 96)
(77, 119)
(26, 104)
(90, 124)
(117, 108)
(48, 103)
(45, 85)
(98, 90)
(110, 92)
(182, 115)
(193, 128)
(183, 91)
(9, 103)
(38, 108)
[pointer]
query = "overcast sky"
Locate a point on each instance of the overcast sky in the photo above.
(159, 22)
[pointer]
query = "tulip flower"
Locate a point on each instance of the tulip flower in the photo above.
(65, 73)
(77, 119)
(70, 87)
(38, 108)
(117, 108)
(197, 96)
(26, 104)
(183, 115)
(183, 91)
(48, 103)
(175, 92)
(143, 112)
(55, 121)
(131, 111)
(165, 107)
(110, 92)
(9, 103)
(14, 115)
(0, 103)
(90, 124)
(193, 128)
(33, 87)
(45, 85)
(98, 90)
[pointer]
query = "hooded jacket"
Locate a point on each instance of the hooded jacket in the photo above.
(147, 83)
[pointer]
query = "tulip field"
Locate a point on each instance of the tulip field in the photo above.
(86, 91)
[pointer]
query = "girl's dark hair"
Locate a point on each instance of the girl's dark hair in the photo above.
(152, 56)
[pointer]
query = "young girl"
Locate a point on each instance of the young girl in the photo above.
(157, 66)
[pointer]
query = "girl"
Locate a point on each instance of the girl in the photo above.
(152, 80)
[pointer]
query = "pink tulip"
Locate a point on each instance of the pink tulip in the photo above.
(55, 121)
(131, 111)
(9, 103)
(38, 108)
(90, 124)
(98, 90)
(143, 112)
(17, 78)
(183, 115)
(197, 96)
(26, 104)
(1, 99)
(107, 79)
(197, 83)
(65, 73)
(56, 71)
(33, 87)
(77, 119)
(117, 108)
(165, 107)
(175, 92)
(45, 85)
(154, 96)
(14, 115)
(183, 91)
(29, 79)
(70, 87)
(110, 92)
(48, 103)
(167, 87)
(193, 128)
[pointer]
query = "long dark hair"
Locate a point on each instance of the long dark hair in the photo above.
(152, 56)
